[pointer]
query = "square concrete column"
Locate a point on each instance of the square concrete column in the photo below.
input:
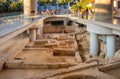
(110, 46)
(33, 35)
(37, 33)
(34, 32)
(65, 22)
(93, 44)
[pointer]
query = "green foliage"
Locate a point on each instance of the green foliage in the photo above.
(82, 8)
(81, 5)
(47, 2)
(65, 1)
(4, 4)
(7, 6)
(16, 6)
(2, 7)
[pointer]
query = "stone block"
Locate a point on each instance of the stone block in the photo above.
(51, 29)
(117, 54)
(63, 52)
(41, 42)
(63, 37)
(70, 41)
(51, 45)
(78, 57)
(69, 29)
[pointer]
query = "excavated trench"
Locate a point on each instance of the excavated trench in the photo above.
(61, 48)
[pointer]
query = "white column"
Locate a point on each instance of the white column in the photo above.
(65, 22)
(29, 5)
(104, 38)
(110, 46)
(33, 34)
(93, 44)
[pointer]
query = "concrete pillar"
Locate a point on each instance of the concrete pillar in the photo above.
(33, 35)
(104, 38)
(103, 10)
(29, 5)
(37, 32)
(110, 46)
(65, 22)
(93, 44)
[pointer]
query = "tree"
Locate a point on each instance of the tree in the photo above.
(81, 6)
(40, 2)
(10, 6)
(2, 7)
(77, 8)
(66, 2)
(4, 4)
(16, 6)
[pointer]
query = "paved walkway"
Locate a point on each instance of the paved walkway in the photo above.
(13, 26)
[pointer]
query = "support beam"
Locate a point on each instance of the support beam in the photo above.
(110, 46)
(65, 22)
(37, 33)
(33, 35)
(93, 44)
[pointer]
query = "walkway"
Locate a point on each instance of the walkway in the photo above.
(13, 26)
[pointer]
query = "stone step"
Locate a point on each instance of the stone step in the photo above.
(80, 66)
(41, 42)
(25, 49)
(19, 64)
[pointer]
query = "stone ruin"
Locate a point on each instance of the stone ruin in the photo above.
(60, 52)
